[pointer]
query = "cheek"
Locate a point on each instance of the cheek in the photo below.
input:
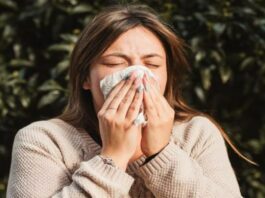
(97, 95)
(96, 75)
(162, 84)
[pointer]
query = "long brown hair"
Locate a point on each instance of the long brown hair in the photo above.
(97, 36)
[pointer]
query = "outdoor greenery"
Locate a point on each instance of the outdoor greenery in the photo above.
(227, 80)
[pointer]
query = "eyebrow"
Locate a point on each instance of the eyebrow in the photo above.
(127, 57)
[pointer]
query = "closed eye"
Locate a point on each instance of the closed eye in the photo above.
(154, 65)
(113, 64)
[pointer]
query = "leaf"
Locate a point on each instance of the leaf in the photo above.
(32, 80)
(61, 47)
(195, 42)
(82, 8)
(8, 32)
(199, 56)
(21, 63)
(225, 73)
(39, 3)
(200, 17)
(60, 67)
(8, 4)
(48, 99)
(25, 101)
(219, 28)
(49, 85)
(11, 102)
(206, 78)
(200, 93)
(216, 56)
(69, 38)
(247, 62)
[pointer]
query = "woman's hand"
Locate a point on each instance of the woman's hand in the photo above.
(160, 115)
(120, 137)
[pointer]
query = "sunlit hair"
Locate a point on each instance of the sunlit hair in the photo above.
(97, 36)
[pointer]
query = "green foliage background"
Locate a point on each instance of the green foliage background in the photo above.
(227, 41)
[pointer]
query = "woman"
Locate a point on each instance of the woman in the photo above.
(94, 150)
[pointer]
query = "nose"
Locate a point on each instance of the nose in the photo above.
(137, 61)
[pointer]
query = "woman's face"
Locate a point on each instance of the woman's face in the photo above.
(137, 46)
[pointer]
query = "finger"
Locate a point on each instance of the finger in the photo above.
(119, 96)
(114, 92)
(156, 88)
(128, 98)
(156, 97)
(154, 84)
(149, 106)
(135, 106)
(114, 99)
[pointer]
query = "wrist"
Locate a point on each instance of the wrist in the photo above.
(154, 152)
(115, 160)
(149, 158)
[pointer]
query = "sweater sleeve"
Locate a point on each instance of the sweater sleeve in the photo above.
(38, 171)
(206, 172)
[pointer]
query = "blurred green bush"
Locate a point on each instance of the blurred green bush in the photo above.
(227, 42)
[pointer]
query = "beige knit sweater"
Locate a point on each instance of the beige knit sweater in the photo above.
(53, 159)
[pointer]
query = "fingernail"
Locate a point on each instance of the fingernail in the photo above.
(145, 76)
(137, 82)
(133, 75)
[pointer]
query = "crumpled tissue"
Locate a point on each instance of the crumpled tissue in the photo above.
(111, 80)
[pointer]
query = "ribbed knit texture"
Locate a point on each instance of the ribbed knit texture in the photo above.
(53, 159)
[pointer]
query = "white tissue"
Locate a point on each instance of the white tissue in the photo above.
(110, 81)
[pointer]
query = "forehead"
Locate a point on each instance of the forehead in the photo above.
(137, 40)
